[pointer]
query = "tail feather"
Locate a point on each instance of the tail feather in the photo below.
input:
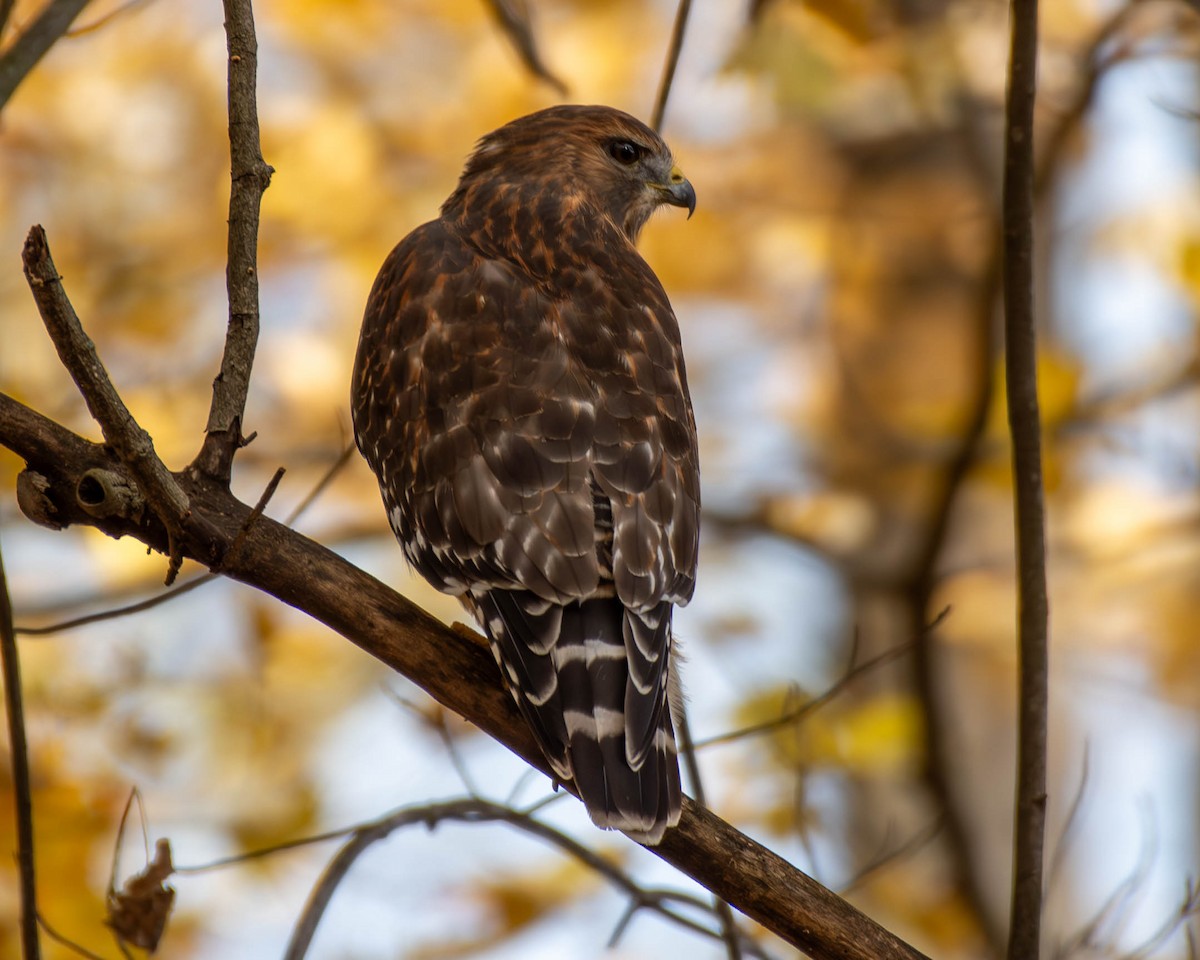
(596, 725)
(647, 639)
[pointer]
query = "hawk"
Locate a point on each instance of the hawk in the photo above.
(519, 391)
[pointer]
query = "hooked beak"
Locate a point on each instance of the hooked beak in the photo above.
(679, 192)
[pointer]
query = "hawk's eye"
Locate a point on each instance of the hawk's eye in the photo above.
(626, 151)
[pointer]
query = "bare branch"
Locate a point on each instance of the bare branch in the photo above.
(1094, 64)
(6, 9)
(32, 45)
(160, 598)
(261, 853)
(891, 855)
(1187, 908)
(321, 485)
(920, 589)
(78, 354)
(1059, 857)
(514, 19)
(117, 612)
(809, 706)
(1020, 340)
(121, 431)
(477, 810)
(251, 176)
(1114, 911)
(69, 944)
(668, 77)
(455, 669)
(104, 19)
(474, 810)
(22, 793)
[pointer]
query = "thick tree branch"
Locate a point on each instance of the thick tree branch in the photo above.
(22, 793)
(250, 177)
(1020, 339)
(32, 45)
(454, 667)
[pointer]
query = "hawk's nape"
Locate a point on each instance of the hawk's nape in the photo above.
(520, 393)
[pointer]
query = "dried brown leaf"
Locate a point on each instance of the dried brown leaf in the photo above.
(138, 912)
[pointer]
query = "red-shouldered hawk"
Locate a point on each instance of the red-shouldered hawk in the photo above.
(520, 393)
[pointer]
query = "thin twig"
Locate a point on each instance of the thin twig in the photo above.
(1114, 911)
(121, 431)
(1188, 907)
(142, 605)
(437, 720)
(890, 855)
(67, 942)
(6, 8)
(33, 44)
(117, 612)
(257, 511)
(22, 793)
(475, 810)
(668, 77)
(262, 853)
(321, 485)
(1059, 857)
(513, 17)
(119, 842)
(797, 714)
(104, 19)
(1020, 340)
(939, 767)
(250, 176)
(1094, 64)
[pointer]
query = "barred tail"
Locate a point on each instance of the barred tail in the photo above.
(591, 680)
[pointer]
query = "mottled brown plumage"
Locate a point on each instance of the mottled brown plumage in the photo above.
(520, 393)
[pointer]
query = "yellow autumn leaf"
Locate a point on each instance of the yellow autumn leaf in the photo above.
(1187, 265)
(881, 735)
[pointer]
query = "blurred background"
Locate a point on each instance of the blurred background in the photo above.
(837, 293)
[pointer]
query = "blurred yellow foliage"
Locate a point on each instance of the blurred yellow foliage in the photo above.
(878, 736)
(845, 155)
(518, 900)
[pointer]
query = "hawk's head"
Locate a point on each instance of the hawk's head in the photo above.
(577, 154)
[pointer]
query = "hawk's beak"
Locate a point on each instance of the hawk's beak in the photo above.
(679, 192)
